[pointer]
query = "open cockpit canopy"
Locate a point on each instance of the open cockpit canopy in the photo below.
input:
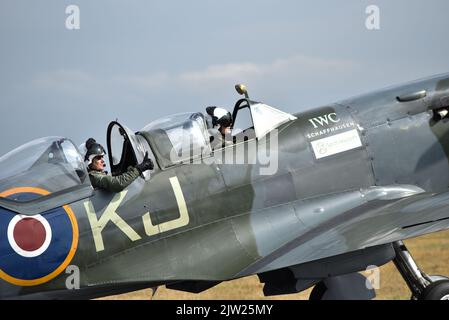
(184, 137)
(178, 138)
(43, 167)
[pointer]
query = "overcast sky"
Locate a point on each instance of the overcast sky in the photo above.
(137, 61)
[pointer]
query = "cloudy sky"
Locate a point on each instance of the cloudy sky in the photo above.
(137, 61)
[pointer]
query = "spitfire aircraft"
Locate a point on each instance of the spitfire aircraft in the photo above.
(301, 200)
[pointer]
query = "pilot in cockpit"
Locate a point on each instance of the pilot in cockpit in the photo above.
(219, 116)
(101, 179)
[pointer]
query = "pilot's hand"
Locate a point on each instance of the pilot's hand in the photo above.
(146, 164)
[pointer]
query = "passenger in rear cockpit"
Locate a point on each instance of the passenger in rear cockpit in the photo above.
(101, 179)
(219, 116)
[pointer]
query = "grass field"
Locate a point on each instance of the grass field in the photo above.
(431, 253)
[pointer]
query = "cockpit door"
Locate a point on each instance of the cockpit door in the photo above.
(123, 148)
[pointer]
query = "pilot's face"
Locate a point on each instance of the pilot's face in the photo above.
(225, 130)
(98, 163)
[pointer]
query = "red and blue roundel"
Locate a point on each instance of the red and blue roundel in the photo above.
(35, 249)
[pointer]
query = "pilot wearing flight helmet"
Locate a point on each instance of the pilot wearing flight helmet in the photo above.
(101, 179)
(223, 118)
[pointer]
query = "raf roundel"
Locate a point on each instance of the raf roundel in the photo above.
(35, 249)
(29, 236)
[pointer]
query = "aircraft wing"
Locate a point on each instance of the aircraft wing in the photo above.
(356, 220)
